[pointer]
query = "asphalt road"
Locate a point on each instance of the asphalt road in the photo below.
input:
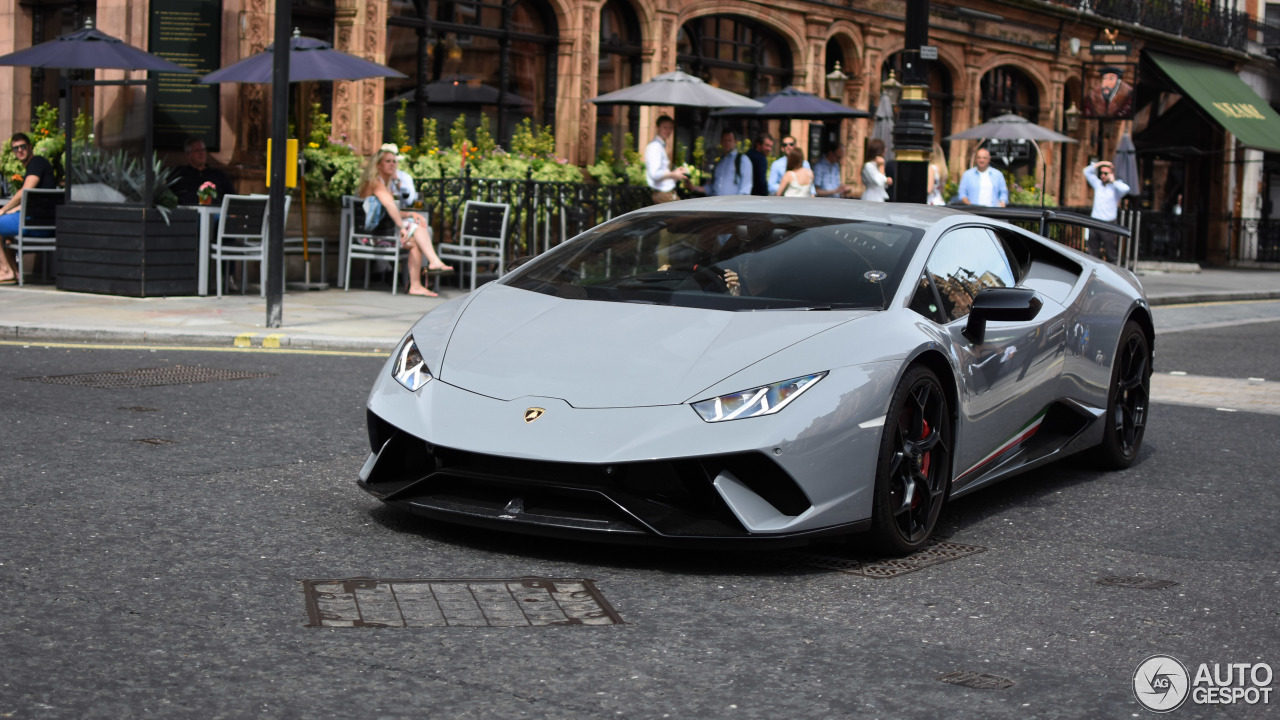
(162, 579)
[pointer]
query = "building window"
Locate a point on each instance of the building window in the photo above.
(732, 53)
(1007, 89)
(619, 67)
(51, 19)
(492, 58)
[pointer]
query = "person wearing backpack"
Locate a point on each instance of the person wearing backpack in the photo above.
(733, 174)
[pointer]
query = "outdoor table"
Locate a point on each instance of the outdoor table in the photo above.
(207, 215)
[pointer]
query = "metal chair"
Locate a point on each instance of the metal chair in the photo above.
(37, 225)
(368, 246)
(482, 237)
(242, 232)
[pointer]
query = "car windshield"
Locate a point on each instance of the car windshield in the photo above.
(728, 262)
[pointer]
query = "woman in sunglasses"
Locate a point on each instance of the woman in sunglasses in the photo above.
(38, 174)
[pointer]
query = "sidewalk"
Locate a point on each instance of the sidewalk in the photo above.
(374, 320)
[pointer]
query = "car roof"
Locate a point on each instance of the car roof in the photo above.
(911, 214)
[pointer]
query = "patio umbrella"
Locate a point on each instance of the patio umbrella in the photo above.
(1014, 127)
(883, 128)
(309, 59)
(89, 48)
(1127, 164)
(675, 88)
(793, 103)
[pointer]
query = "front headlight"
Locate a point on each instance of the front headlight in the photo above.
(765, 400)
(410, 370)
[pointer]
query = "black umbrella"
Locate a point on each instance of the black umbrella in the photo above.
(89, 48)
(309, 59)
(794, 104)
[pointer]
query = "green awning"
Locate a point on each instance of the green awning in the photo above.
(1224, 96)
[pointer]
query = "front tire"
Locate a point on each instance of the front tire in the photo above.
(1127, 400)
(913, 472)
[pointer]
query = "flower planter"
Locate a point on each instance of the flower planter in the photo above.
(131, 251)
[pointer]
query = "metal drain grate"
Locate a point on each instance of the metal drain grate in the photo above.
(934, 554)
(148, 377)
(442, 602)
(138, 408)
(155, 441)
(977, 681)
(1139, 583)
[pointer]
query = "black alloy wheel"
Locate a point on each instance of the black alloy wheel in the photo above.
(914, 469)
(1127, 400)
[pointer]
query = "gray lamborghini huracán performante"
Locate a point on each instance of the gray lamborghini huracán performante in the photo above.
(743, 369)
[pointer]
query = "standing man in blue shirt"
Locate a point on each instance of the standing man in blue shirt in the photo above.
(732, 175)
(1108, 191)
(983, 184)
(759, 156)
(779, 166)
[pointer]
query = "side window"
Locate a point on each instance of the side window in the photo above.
(924, 301)
(965, 262)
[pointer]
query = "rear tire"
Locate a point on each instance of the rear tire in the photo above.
(1127, 400)
(913, 472)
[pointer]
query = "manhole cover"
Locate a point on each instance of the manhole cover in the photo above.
(1140, 583)
(440, 602)
(155, 441)
(939, 552)
(148, 377)
(978, 681)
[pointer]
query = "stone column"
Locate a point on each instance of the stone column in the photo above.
(15, 82)
(357, 105)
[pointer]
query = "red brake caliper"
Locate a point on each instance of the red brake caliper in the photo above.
(924, 461)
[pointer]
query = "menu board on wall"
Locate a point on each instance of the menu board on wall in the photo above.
(189, 33)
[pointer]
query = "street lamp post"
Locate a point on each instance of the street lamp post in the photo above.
(913, 132)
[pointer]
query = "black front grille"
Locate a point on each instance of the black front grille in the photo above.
(667, 497)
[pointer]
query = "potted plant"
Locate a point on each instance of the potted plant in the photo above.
(207, 193)
(113, 240)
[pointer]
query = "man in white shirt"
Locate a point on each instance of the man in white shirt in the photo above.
(983, 184)
(657, 163)
(1108, 191)
(779, 166)
(732, 175)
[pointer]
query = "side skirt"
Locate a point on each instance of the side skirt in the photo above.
(1040, 441)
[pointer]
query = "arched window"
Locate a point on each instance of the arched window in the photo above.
(619, 67)
(1007, 89)
(734, 53)
(496, 58)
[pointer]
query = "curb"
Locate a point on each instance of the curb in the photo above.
(266, 341)
(1205, 297)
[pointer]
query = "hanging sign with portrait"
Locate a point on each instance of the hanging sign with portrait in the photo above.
(1109, 90)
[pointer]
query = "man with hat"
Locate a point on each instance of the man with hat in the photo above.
(1108, 191)
(1111, 97)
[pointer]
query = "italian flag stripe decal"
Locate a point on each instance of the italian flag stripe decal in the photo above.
(1026, 432)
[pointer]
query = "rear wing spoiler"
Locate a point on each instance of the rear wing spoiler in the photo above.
(1046, 218)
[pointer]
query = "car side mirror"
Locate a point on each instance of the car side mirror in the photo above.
(1000, 304)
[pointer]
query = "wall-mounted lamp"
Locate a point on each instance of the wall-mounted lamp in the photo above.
(892, 88)
(1074, 44)
(835, 83)
(1072, 117)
